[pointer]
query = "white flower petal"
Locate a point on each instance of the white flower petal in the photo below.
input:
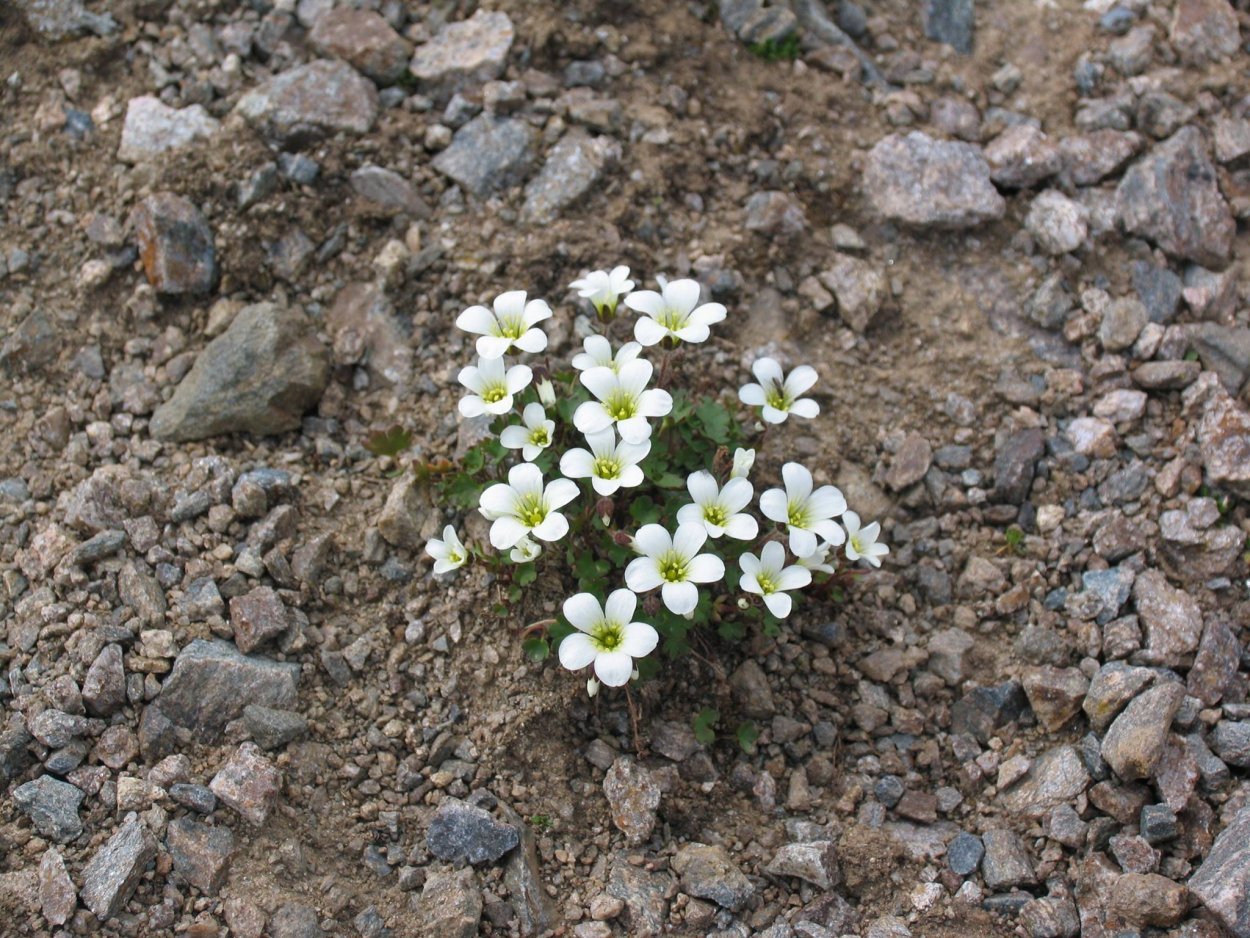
(742, 527)
(518, 378)
(559, 493)
(591, 417)
(505, 532)
(533, 340)
(477, 319)
(799, 380)
(826, 502)
(583, 611)
(642, 575)
(620, 606)
(798, 480)
(635, 430)
(577, 464)
(652, 540)
(552, 528)
(680, 598)
(471, 406)
(767, 371)
(492, 347)
(752, 395)
(706, 568)
(600, 381)
(793, 578)
(772, 415)
(526, 478)
(802, 543)
(511, 303)
(689, 514)
(576, 651)
(702, 487)
(514, 437)
(682, 295)
(772, 557)
(647, 331)
(805, 407)
(689, 538)
(498, 499)
(614, 668)
(640, 638)
(736, 495)
(779, 604)
(645, 301)
(536, 311)
(774, 505)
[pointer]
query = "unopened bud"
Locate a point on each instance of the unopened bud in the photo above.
(721, 462)
(604, 508)
(743, 603)
(592, 687)
(546, 393)
(623, 539)
(744, 459)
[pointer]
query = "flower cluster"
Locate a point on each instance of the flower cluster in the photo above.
(611, 427)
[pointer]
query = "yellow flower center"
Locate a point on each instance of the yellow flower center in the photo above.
(715, 514)
(766, 583)
(671, 319)
(620, 406)
(531, 511)
(511, 327)
(495, 394)
(607, 467)
(797, 514)
(539, 437)
(607, 636)
(856, 544)
(673, 567)
(776, 397)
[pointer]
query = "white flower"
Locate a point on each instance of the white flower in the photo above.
(778, 394)
(717, 509)
(522, 506)
(744, 459)
(492, 387)
(808, 514)
(511, 325)
(767, 575)
(818, 561)
(525, 551)
(449, 553)
(623, 399)
(598, 354)
(673, 313)
(608, 464)
(606, 636)
(603, 288)
(673, 563)
(546, 393)
(532, 438)
(861, 543)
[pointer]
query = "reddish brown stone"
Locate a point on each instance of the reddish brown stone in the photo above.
(175, 244)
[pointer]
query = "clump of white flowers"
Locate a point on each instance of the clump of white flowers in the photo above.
(662, 478)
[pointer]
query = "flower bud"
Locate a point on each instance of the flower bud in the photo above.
(604, 509)
(546, 393)
(744, 459)
(721, 463)
(744, 603)
(623, 539)
(592, 687)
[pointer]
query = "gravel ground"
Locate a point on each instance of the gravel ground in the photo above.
(234, 239)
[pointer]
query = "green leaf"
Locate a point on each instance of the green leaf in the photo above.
(462, 490)
(747, 734)
(644, 510)
(731, 630)
(473, 460)
(670, 481)
(536, 648)
(704, 722)
(390, 442)
(515, 593)
(525, 574)
(715, 419)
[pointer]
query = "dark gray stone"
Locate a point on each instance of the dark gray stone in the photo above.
(212, 682)
(1158, 823)
(295, 920)
(52, 806)
(461, 831)
(175, 244)
(983, 710)
(1231, 742)
(201, 853)
(110, 877)
(708, 872)
(1006, 862)
(1014, 465)
(257, 377)
(951, 22)
(62, 19)
(488, 154)
(1222, 882)
(196, 797)
(271, 728)
(964, 853)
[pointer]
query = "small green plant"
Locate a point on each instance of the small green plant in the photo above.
(777, 50)
(1014, 537)
(705, 725)
(390, 442)
(541, 822)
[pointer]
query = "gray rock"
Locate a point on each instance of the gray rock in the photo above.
(774, 213)
(175, 245)
(708, 872)
(1224, 350)
(524, 879)
(463, 54)
(61, 19)
(949, 651)
(55, 728)
(951, 22)
(1055, 694)
(201, 853)
(450, 904)
(859, 288)
(1090, 158)
(572, 168)
(1222, 882)
(645, 895)
(1056, 777)
(1224, 442)
(1115, 684)
(1058, 224)
(814, 862)
(212, 682)
(1159, 290)
(112, 874)
(488, 154)
(58, 899)
(363, 39)
(1006, 862)
(1215, 665)
(1052, 916)
(460, 831)
(1014, 465)
(272, 729)
(983, 710)
(310, 102)
(1022, 156)
(52, 806)
(633, 797)
(1170, 617)
(365, 331)
(927, 183)
(1133, 745)
(964, 853)
(258, 377)
(15, 757)
(1171, 197)
(295, 920)
(1158, 823)
(751, 692)
(1122, 322)
(248, 783)
(196, 797)
(387, 192)
(152, 128)
(1231, 742)
(1204, 31)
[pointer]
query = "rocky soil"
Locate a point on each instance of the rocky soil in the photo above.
(234, 240)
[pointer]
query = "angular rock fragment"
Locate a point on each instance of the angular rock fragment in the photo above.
(201, 853)
(248, 783)
(916, 180)
(175, 244)
(1133, 745)
(363, 39)
(572, 168)
(633, 797)
(110, 877)
(1222, 882)
(258, 377)
(153, 127)
(311, 102)
(465, 53)
(708, 872)
(488, 154)
(465, 832)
